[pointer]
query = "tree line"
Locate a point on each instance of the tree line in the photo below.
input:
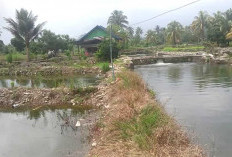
(216, 28)
(29, 37)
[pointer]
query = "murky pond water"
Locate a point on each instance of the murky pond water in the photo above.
(200, 98)
(50, 133)
(49, 82)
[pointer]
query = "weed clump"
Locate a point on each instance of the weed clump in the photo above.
(105, 67)
(140, 128)
(9, 58)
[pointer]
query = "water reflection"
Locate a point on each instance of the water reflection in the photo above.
(212, 75)
(42, 132)
(199, 96)
(43, 82)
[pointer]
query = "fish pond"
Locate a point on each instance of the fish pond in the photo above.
(199, 96)
(40, 133)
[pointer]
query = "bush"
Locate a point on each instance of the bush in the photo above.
(9, 58)
(68, 54)
(103, 52)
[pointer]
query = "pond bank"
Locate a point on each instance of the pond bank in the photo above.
(31, 97)
(49, 68)
(133, 123)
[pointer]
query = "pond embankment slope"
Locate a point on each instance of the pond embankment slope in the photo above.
(133, 123)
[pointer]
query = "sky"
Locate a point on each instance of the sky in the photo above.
(77, 17)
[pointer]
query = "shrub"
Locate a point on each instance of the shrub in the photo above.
(68, 54)
(12, 84)
(9, 58)
(103, 52)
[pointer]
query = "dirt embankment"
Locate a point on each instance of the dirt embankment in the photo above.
(46, 68)
(31, 97)
(134, 124)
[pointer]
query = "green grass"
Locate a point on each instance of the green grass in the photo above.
(15, 57)
(104, 66)
(140, 128)
(183, 48)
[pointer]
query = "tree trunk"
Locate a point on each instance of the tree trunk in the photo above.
(27, 51)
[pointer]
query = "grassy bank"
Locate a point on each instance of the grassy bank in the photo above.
(134, 124)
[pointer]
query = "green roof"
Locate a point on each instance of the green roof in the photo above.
(97, 31)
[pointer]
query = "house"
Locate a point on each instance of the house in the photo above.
(93, 38)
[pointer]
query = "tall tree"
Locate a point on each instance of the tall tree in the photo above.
(199, 25)
(138, 35)
(151, 37)
(174, 30)
(24, 27)
(117, 18)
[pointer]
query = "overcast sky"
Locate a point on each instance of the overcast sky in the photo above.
(76, 17)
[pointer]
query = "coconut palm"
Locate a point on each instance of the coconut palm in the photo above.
(151, 37)
(117, 18)
(138, 34)
(174, 30)
(24, 27)
(200, 23)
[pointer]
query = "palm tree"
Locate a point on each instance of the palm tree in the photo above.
(117, 18)
(24, 27)
(174, 30)
(151, 37)
(138, 34)
(199, 24)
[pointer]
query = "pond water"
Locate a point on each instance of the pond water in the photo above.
(49, 82)
(42, 134)
(199, 96)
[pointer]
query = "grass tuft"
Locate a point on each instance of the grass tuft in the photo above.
(140, 128)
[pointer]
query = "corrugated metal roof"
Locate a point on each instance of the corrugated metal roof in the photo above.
(97, 27)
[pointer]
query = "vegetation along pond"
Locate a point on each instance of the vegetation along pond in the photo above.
(49, 82)
(199, 97)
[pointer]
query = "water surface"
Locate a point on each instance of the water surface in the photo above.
(42, 134)
(199, 96)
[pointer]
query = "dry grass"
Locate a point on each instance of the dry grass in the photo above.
(135, 125)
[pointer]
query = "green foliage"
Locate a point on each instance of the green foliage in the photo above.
(140, 128)
(138, 35)
(2, 46)
(9, 58)
(18, 44)
(183, 48)
(174, 30)
(12, 84)
(68, 54)
(104, 66)
(117, 18)
(24, 28)
(103, 53)
(152, 93)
